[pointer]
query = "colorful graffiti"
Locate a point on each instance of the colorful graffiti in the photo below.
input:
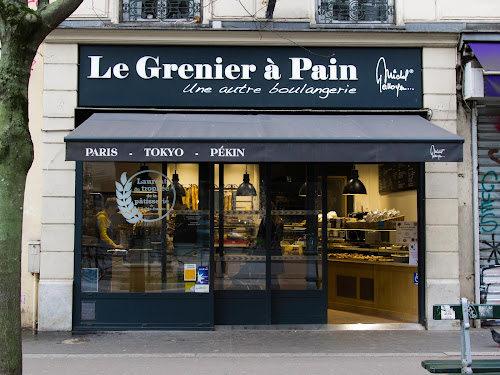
(495, 249)
(488, 220)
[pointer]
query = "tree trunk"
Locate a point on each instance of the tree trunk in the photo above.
(16, 156)
(22, 30)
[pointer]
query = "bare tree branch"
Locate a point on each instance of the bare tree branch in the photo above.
(42, 4)
(54, 13)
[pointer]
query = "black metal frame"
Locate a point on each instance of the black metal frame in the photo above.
(421, 244)
(272, 299)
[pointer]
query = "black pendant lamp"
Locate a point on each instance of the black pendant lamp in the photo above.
(303, 190)
(246, 189)
(179, 189)
(354, 185)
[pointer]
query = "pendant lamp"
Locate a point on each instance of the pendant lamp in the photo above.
(354, 185)
(246, 189)
(179, 189)
(303, 190)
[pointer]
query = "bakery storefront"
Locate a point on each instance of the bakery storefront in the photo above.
(250, 186)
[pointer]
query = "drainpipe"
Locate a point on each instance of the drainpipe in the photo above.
(34, 268)
(475, 204)
(35, 303)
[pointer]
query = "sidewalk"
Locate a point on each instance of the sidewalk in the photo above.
(242, 351)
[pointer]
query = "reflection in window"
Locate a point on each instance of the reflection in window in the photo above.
(295, 251)
(164, 10)
(240, 255)
(330, 11)
(141, 233)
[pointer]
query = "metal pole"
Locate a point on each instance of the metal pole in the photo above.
(475, 204)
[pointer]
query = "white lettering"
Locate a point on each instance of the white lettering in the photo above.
(95, 68)
(231, 71)
(168, 69)
(149, 67)
(383, 76)
(227, 152)
(118, 69)
(299, 65)
(322, 92)
(101, 151)
(164, 151)
(437, 153)
(154, 72)
(183, 71)
(322, 72)
(203, 71)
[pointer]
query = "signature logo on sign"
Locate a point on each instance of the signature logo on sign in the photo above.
(437, 153)
(392, 79)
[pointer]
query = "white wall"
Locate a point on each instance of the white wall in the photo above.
(441, 187)
(404, 201)
(32, 196)
(451, 11)
(58, 189)
(296, 10)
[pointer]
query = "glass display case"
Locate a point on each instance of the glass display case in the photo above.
(367, 241)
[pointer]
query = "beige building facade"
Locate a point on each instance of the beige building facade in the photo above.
(432, 26)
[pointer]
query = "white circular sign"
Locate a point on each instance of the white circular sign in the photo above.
(132, 208)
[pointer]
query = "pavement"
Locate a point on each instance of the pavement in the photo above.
(359, 350)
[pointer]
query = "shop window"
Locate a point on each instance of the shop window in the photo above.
(373, 246)
(161, 10)
(240, 209)
(295, 224)
(143, 228)
(355, 11)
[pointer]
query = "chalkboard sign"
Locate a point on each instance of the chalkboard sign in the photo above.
(393, 177)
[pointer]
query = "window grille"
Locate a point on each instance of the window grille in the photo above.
(161, 10)
(355, 11)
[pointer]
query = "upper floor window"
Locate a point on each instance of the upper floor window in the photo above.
(355, 11)
(161, 10)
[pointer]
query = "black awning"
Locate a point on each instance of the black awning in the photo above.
(195, 137)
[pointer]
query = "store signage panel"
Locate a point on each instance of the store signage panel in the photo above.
(135, 151)
(249, 77)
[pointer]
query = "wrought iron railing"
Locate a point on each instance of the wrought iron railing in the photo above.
(161, 10)
(354, 11)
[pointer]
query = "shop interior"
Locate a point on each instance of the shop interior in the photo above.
(370, 235)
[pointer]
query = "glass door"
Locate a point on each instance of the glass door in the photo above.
(268, 259)
(297, 294)
(239, 242)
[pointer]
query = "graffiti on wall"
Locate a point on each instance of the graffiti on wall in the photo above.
(489, 212)
(488, 221)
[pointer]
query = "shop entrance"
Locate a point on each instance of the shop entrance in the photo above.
(193, 245)
(268, 260)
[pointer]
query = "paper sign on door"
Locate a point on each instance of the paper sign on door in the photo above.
(190, 272)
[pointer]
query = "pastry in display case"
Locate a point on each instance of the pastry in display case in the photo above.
(369, 236)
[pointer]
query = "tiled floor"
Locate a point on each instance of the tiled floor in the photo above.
(343, 317)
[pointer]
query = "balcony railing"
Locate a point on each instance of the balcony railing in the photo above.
(161, 10)
(355, 11)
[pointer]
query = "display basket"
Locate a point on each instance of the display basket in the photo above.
(385, 224)
(381, 224)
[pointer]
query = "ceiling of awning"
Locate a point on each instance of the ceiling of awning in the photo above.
(202, 137)
(488, 55)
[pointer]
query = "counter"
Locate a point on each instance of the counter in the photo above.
(385, 289)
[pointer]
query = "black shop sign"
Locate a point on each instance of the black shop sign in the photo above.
(249, 77)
